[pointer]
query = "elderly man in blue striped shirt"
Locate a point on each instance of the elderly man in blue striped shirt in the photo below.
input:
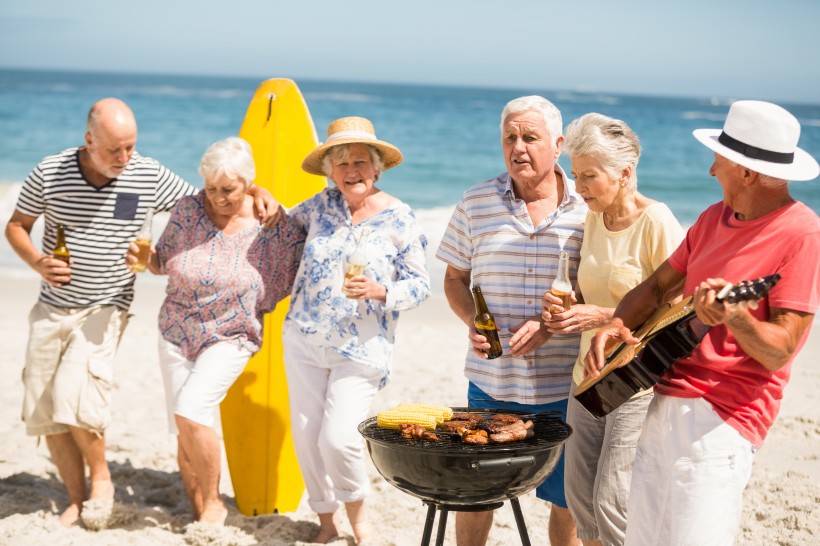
(505, 235)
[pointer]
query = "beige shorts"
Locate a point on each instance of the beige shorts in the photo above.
(68, 376)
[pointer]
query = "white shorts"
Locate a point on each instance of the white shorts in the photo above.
(194, 390)
(689, 475)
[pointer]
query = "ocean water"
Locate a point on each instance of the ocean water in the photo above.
(449, 135)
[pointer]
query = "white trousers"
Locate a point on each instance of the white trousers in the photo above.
(689, 475)
(329, 396)
(194, 389)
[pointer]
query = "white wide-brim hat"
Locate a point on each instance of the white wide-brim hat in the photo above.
(761, 136)
(351, 130)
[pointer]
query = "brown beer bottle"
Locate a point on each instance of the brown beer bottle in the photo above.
(485, 324)
(60, 251)
(561, 286)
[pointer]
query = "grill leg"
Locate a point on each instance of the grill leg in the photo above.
(428, 524)
(519, 520)
(442, 526)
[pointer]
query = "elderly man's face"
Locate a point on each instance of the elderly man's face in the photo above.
(528, 150)
(730, 177)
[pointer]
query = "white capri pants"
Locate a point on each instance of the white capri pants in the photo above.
(329, 396)
(195, 389)
(689, 475)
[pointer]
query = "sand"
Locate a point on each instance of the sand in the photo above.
(780, 503)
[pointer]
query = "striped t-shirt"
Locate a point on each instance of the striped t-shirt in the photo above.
(491, 235)
(99, 222)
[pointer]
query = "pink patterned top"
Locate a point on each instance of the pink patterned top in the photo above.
(220, 286)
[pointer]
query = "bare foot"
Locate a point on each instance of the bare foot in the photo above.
(214, 513)
(327, 528)
(363, 531)
(70, 516)
(325, 535)
(102, 490)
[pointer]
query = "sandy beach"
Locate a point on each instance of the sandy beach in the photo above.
(781, 500)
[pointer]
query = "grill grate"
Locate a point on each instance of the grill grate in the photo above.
(548, 429)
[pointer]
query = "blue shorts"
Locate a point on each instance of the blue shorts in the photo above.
(551, 489)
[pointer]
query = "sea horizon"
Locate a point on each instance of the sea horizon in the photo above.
(449, 135)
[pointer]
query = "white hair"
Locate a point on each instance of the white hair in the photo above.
(552, 116)
(231, 157)
(609, 140)
(342, 152)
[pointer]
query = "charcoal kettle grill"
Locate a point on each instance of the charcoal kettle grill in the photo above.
(453, 476)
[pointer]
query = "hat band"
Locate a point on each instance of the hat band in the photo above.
(753, 152)
(351, 134)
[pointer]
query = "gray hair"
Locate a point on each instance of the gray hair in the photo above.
(342, 152)
(552, 116)
(609, 140)
(231, 157)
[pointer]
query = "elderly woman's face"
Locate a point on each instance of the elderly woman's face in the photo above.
(594, 184)
(355, 175)
(225, 194)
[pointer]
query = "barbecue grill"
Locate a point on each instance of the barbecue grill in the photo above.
(453, 476)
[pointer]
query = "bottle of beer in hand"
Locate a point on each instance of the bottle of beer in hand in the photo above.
(485, 324)
(357, 261)
(144, 243)
(60, 251)
(561, 287)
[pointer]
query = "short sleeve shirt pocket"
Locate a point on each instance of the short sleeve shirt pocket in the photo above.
(623, 278)
(125, 207)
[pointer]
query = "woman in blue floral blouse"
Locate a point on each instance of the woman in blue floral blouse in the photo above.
(338, 334)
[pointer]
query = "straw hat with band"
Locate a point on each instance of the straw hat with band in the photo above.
(351, 130)
(761, 136)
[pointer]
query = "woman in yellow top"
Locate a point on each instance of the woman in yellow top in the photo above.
(626, 237)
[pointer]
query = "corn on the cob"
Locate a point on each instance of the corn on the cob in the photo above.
(441, 413)
(392, 418)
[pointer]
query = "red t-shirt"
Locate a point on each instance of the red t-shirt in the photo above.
(787, 241)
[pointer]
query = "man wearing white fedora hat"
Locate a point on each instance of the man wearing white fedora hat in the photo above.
(713, 409)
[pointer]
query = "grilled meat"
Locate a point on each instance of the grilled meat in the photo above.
(476, 437)
(416, 432)
(514, 432)
(454, 425)
(467, 416)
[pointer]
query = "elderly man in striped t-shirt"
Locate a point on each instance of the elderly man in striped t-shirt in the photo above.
(505, 235)
(101, 193)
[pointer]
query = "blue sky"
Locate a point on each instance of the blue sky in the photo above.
(722, 48)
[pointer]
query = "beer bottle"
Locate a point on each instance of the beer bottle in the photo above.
(485, 324)
(561, 287)
(60, 251)
(143, 242)
(357, 261)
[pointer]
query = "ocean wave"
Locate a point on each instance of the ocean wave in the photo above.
(715, 101)
(709, 116)
(182, 92)
(585, 98)
(810, 122)
(340, 97)
(9, 191)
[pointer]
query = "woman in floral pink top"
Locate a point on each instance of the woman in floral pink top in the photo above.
(225, 271)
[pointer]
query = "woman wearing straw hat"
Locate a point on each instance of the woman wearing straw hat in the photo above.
(339, 332)
(713, 408)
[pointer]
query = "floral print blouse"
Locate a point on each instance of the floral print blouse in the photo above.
(220, 286)
(361, 330)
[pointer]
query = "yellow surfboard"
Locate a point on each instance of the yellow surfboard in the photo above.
(255, 414)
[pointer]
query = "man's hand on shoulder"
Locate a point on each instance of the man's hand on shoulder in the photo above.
(269, 209)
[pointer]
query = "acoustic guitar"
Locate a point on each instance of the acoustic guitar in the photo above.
(669, 335)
